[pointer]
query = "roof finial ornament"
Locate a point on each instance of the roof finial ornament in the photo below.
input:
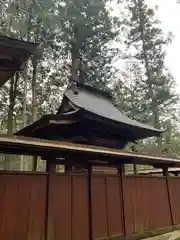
(73, 85)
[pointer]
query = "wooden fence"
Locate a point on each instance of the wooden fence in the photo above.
(75, 207)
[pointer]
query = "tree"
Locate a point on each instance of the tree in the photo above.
(147, 45)
(86, 29)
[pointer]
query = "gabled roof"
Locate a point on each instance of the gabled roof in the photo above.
(96, 109)
(95, 102)
(13, 53)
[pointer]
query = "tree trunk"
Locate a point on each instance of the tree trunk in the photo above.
(11, 107)
(34, 95)
(12, 97)
(24, 117)
(149, 73)
(167, 138)
(74, 60)
(29, 7)
(25, 96)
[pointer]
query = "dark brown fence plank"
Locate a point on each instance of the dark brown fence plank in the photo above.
(146, 204)
(37, 207)
(80, 220)
(59, 222)
(114, 206)
(128, 205)
(17, 206)
(23, 205)
(68, 207)
(99, 207)
(9, 208)
(174, 190)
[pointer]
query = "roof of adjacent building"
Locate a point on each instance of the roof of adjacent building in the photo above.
(91, 104)
(94, 101)
(13, 53)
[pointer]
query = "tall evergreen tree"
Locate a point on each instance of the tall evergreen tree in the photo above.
(86, 30)
(147, 45)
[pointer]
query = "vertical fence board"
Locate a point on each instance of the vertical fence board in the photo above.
(2, 201)
(128, 206)
(114, 206)
(9, 209)
(23, 206)
(80, 220)
(17, 206)
(146, 204)
(68, 207)
(174, 190)
(37, 213)
(59, 222)
(99, 207)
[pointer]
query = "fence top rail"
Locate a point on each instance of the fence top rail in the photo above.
(34, 146)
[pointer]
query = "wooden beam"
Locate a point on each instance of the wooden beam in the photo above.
(18, 144)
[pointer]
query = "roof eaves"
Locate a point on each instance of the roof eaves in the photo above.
(157, 132)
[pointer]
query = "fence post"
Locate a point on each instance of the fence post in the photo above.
(34, 168)
(166, 175)
(50, 169)
(90, 200)
(121, 175)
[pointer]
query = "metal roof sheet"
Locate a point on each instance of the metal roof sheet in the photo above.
(103, 106)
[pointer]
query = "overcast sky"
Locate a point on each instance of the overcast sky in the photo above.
(169, 14)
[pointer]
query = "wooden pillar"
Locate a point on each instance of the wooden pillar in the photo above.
(50, 167)
(121, 172)
(68, 168)
(165, 171)
(135, 169)
(34, 167)
(166, 175)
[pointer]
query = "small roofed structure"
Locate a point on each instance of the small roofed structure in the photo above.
(88, 116)
(13, 53)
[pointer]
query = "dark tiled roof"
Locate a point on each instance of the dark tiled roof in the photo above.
(13, 53)
(102, 106)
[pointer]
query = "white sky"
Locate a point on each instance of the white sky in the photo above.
(169, 14)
